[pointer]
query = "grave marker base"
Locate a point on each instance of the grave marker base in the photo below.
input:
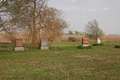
(44, 48)
(19, 49)
(85, 45)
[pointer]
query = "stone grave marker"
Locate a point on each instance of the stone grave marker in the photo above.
(19, 45)
(98, 41)
(85, 41)
(44, 44)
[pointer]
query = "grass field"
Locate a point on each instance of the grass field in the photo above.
(63, 62)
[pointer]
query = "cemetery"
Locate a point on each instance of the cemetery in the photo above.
(37, 40)
(72, 59)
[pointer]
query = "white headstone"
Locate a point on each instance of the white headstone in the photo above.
(44, 44)
(98, 41)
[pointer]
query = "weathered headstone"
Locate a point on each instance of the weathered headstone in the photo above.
(19, 45)
(85, 41)
(44, 44)
(98, 41)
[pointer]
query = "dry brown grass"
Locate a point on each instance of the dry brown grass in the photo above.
(111, 38)
(104, 38)
(65, 38)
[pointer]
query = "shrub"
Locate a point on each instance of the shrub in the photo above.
(117, 46)
(72, 39)
(84, 47)
(96, 44)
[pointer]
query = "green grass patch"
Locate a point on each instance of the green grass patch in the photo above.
(117, 46)
(11, 46)
(84, 47)
(63, 62)
(97, 44)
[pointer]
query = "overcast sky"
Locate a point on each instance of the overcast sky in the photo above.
(79, 12)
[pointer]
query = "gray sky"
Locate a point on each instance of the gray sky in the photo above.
(79, 12)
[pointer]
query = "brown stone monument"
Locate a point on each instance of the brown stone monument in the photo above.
(85, 41)
(19, 45)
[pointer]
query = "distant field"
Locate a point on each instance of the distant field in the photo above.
(62, 62)
(104, 38)
(64, 38)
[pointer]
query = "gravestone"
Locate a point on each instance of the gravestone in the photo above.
(98, 41)
(44, 44)
(85, 41)
(19, 45)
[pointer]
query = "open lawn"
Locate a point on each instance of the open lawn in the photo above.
(63, 62)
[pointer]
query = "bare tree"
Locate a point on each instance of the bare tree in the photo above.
(53, 23)
(24, 15)
(77, 33)
(93, 31)
(45, 22)
(70, 32)
(6, 24)
(2, 11)
(35, 19)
